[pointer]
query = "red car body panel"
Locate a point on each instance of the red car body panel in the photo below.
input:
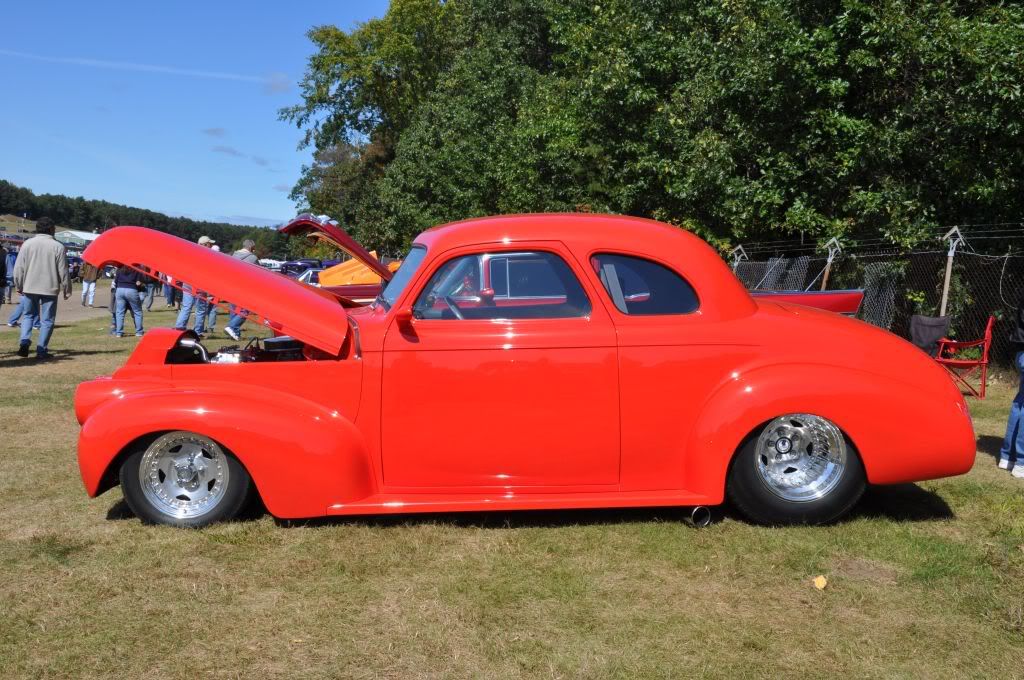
(846, 302)
(315, 316)
(605, 410)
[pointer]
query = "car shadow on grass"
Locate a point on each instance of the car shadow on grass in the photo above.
(898, 503)
(901, 503)
(990, 445)
(119, 512)
(10, 358)
(518, 519)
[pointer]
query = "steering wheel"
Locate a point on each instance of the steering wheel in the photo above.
(455, 308)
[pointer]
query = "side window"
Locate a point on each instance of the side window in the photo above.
(521, 285)
(642, 287)
(533, 276)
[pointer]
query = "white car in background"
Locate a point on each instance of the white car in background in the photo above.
(272, 265)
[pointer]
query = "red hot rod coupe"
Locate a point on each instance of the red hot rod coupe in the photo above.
(521, 362)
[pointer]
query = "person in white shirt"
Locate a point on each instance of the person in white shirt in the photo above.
(40, 273)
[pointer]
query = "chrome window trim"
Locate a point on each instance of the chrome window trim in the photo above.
(357, 351)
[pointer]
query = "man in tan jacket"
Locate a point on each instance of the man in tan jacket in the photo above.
(89, 275)
(40, 273)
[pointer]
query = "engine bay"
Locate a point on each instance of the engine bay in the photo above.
(190, 350)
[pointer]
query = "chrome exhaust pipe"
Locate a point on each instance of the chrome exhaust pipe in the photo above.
(700, 517)
(193, 343)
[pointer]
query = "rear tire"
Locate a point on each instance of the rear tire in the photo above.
(797, 469)
(183, 479)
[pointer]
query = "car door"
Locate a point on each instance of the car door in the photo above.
(671, 358)
(485, 388)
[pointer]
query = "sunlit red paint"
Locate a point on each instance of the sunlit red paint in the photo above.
(395, 414)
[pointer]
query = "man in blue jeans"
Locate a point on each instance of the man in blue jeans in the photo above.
(127, 282)
(40, 273)
(171, 295)
(194, 298)
(238, 316)
(149, 288)
(3, 275)
(11, 256)
(1011, 455)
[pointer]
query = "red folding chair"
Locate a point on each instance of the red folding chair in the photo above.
(964, 370)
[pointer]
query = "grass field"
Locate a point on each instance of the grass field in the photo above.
(14, 224)
(924, 581)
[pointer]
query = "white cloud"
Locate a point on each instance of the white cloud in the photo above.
(227, 150)
(276, 83)
(272, 83)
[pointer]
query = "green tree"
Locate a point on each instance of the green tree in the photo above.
(89, 215)
(738, 119)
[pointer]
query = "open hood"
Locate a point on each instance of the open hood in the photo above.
(308, 314)
(326, 229)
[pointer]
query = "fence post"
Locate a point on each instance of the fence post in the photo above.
(833, 249)
(955, 239)
(738, 255)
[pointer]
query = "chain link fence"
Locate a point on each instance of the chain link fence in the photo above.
(899, 285)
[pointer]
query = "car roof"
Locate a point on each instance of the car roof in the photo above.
(604, 231)
(586, 233)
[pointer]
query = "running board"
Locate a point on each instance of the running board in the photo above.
(383, 504)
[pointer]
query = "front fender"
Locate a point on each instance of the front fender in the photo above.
(902, 432)
(301, 456)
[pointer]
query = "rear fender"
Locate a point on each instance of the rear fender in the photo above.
(301, 456)
(901, 432)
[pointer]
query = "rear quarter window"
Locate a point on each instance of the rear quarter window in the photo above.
(641, 287)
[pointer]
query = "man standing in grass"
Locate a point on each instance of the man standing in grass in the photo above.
(1011, 455)
(194, 298)
(127, 282)
(89, 274)
(3, 274)
(11, 256)
(245, 254)
(40, 273)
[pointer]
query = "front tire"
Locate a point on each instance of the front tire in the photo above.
(797, 469)
(184, 479)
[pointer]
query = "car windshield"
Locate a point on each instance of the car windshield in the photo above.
(402, 277)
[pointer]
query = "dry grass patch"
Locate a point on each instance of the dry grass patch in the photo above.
(924, 580)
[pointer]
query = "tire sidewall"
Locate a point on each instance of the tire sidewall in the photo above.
(749, 493)
(236, 495)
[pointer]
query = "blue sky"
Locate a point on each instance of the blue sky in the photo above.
(166, 106)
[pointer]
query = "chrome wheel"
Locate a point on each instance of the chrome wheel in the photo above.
(801, 457)
(183, 475)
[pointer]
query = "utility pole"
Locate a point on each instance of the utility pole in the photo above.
(955, 239)
(833, 249)
(738, 255)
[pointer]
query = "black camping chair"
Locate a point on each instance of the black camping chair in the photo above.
(926, 331)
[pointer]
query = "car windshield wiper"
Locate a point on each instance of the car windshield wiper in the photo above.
(382, 301)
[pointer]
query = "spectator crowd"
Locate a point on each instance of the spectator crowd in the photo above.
(39, 273)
